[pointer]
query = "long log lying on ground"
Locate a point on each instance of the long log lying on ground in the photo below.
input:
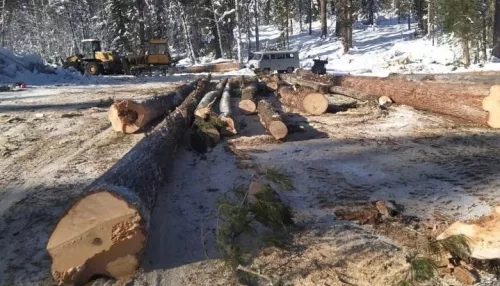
(455, 99)
(105, 230)
(271, 120)
(249, 93)
(303, 99)
(225, 109)
(204, 108)
(128, 116)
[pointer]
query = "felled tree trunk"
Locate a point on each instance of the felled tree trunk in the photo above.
(303, 99)
(454, 99)
(225, 110)
(271, 120)
(105, 230)
(249, 93)
(204, 108)
(128, 116)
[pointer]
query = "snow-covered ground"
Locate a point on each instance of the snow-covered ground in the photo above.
(386, 47)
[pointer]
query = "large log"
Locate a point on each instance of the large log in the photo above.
(128, 116)
(105, 230)
(303, 99)
(454, 99)
(271, 120)
(225, 109)
(204, 108)
(249, 93)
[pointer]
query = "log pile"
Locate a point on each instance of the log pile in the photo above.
(105, 230)
(475, 100)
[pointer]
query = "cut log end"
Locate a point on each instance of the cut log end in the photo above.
(247, 107)
(230, 128)
(278, 129)
(315, 103)
(127, 116)
(100, 235)
(491, 103)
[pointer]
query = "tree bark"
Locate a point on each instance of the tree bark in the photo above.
(256, 15)
(105, 231)
(271, 120)
(129, 116)
(310, 16)
(324, 27)
(496, 31)
(454, 99)
(303, 99)
(217, 27)
(238, 29)
(249, 93)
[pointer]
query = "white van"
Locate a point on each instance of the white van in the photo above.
(281, 61)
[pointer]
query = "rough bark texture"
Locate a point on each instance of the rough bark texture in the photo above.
(363, 96)
(104, 232)
(469, 77)
(247, 103)
(204, 108)
(128, 116)
(294, 79)
(271, 120)
(303, 99)
(455, 99)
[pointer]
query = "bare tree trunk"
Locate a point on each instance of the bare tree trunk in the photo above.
(496, 31)
(466, 52)
(310, 16)
(140, 8)
(217, 25)
(409, 20)
(484, 40)
(256, 15)
(238, 29)
(299, 6)
(324, 27)
(2, 30)
(189, 43)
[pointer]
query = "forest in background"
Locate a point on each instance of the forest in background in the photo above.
(230, 28)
